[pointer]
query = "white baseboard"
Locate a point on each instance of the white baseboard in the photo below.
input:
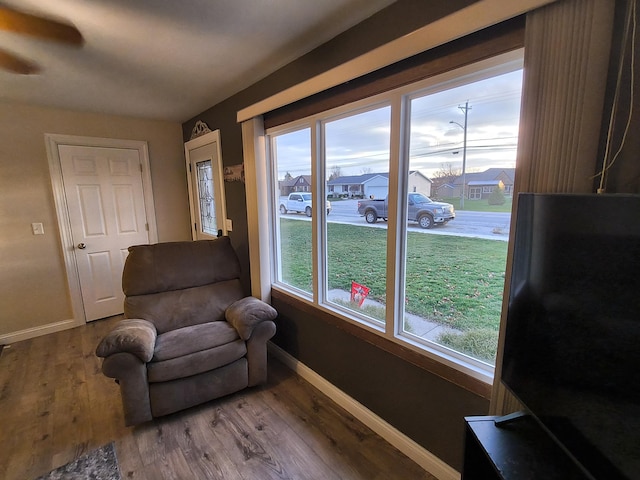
(411, 449)
(13, 337)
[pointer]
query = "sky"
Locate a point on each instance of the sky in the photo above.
(360, 143)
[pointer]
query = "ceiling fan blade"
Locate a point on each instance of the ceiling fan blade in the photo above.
(26, 23)
(14, 64)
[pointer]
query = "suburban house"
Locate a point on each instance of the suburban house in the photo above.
(420, 396)
(374, 185)
(302, 183)
(419, 183)
(443, 190)
(368, 185)
(479, 185)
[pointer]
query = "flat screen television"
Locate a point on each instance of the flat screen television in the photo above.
(572, 339)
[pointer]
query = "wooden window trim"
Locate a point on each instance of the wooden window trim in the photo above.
(489, 42)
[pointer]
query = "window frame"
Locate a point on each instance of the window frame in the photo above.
(335, 114)
(274, 193)
(399, 99)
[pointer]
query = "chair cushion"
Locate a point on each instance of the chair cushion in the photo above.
(181, 308)
(178, 265)
(187, 340)
(195, 363)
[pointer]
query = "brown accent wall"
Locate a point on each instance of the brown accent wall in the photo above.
(422, 405)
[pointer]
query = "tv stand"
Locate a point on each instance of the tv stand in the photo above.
(514, 450)
(507, 419)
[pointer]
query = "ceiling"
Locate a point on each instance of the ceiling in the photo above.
(167, 59)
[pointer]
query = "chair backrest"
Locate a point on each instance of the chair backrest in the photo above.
(177, 284)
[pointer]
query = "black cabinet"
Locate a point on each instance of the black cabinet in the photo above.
(517, 450)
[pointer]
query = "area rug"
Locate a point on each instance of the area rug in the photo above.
(100, 464)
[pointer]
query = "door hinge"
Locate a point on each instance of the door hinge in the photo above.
(189, 168)
(195, 227)
(146, 225)
(141, 171)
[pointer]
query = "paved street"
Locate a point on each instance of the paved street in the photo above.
(490, 225)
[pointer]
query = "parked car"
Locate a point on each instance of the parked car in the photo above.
(421, 209)
(299, 202)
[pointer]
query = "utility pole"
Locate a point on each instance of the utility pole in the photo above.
(465, 110)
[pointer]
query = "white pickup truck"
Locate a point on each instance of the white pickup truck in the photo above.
(299, 202)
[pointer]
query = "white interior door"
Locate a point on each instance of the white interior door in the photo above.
(105, 201)
(206, 186)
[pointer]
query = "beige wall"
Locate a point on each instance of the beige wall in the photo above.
(33, 286)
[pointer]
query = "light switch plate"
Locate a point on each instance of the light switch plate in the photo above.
(229, 225)
(37, 228)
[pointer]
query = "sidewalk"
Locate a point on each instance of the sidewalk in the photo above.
(418, 326)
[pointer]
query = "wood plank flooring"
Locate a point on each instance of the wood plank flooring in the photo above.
(55, 405)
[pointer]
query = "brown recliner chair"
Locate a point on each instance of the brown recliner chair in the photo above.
(189, 334)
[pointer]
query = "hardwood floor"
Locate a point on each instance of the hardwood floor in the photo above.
(55, 405)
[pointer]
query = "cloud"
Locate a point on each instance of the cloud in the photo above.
(362, 140)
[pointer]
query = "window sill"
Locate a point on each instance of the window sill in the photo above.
(415, 357)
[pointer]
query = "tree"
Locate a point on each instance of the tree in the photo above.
(288, 176)
(335, 172)
(446, 173)
(497, 196)
(365, 170)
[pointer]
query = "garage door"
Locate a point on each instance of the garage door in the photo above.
(377, 192)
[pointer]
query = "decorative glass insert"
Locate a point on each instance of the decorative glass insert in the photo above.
(206, 199)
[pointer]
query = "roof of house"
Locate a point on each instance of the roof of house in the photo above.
(486, 177)
(356, 179)
(418, 172)
(294, 180)
(365, 177)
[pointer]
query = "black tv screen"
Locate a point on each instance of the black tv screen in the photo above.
(572, 339)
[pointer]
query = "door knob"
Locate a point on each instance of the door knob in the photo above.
(82, 246)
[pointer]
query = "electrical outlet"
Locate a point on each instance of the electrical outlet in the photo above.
(37, 228)
(229, 225)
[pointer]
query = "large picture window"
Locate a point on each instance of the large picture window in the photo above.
(409, 196)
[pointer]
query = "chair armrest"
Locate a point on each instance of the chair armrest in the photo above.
(136, 336)
(248, 312)
(131, 374)
(257, 352)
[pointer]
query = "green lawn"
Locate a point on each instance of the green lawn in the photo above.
(479, 205)
(455, 281)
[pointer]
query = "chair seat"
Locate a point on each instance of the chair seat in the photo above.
(193, 350)
(195, 338)
(195, 363)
